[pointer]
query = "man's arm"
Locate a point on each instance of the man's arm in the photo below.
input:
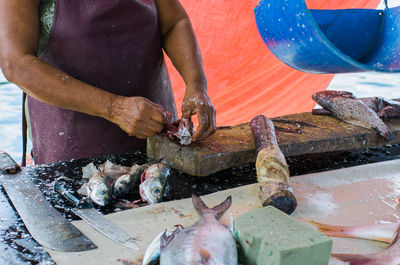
(19, 33)
(181, 46)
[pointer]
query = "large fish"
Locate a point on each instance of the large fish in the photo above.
(384, 108)
(206, 242)
(385, 232)
(345, 106)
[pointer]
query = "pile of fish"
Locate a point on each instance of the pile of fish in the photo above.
(364, 112)
(205, 242)
(109, 181)
(385, 232)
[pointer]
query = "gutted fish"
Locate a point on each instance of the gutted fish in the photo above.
(99, 187)
(387, 232)
(205, 242)
(154, 186)
(272, 169)
(345, 106)
(181, 130)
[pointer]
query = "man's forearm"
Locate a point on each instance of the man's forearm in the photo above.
(54, 87)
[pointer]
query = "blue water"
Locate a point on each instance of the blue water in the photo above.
(362, 85)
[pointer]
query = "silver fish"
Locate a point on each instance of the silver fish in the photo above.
(205, 242)
(99, 187)
(345, 106)
(387, 232)
(129, 183)
(154, 184)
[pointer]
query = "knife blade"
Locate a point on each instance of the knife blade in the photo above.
(85, 210)
(45, 224)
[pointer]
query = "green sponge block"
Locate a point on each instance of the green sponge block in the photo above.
(267, 236)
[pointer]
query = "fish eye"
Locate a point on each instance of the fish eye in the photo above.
(124, 183)
(157, 191)
(102, 192)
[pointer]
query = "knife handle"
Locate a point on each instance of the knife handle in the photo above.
(65, 188)
(7, 164)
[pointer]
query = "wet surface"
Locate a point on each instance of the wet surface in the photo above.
(16, 242)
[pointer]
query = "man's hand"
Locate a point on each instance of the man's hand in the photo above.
(137, 116)
(196, 101)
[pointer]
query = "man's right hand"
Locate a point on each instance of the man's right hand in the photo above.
(137, 116)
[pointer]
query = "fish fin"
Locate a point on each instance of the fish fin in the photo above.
(321, 112)
(199, 204)
(89, 170)
(221, 208)
(205, 256)
(385, 132)
(355, 259)
(343, 231)
(395, 236)
(218, 210)
(231, 226)
(83, 190)
(166, 239)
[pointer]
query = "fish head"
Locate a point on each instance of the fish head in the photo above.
(330, 94)
(159, 170)
(122, 185)
(151, 190)
(101, 194)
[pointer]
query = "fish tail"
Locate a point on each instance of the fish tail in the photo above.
(355, 259)
(218, 210)
(333, 230)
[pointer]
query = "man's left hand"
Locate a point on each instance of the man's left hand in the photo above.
(196, 101)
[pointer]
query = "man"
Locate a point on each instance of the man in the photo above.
(94, 72)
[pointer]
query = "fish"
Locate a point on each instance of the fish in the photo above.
(271, 166)
(385, 232)
(384, 108)
(99, 186)
(181, 130)
(345, 106)
(154, 183)
(205, 242)
(129, 183)
(112, 170)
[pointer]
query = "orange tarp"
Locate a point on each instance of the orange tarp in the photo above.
(244, 78)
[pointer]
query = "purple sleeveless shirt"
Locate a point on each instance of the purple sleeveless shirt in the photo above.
(114, 45)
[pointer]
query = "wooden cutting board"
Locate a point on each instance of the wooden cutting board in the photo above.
(233, 146)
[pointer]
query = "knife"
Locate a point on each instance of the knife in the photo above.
(45, 224)
(84, 210)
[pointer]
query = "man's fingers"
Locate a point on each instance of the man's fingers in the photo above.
(204, 124)
(157, 113)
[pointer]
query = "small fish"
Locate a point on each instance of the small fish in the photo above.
(154, 184)
(345, 106)
(99, 187)
(129, 183)
(205, 242)
(181, 130)
(386, 232)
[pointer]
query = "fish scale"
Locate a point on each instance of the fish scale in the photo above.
(345, 106)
